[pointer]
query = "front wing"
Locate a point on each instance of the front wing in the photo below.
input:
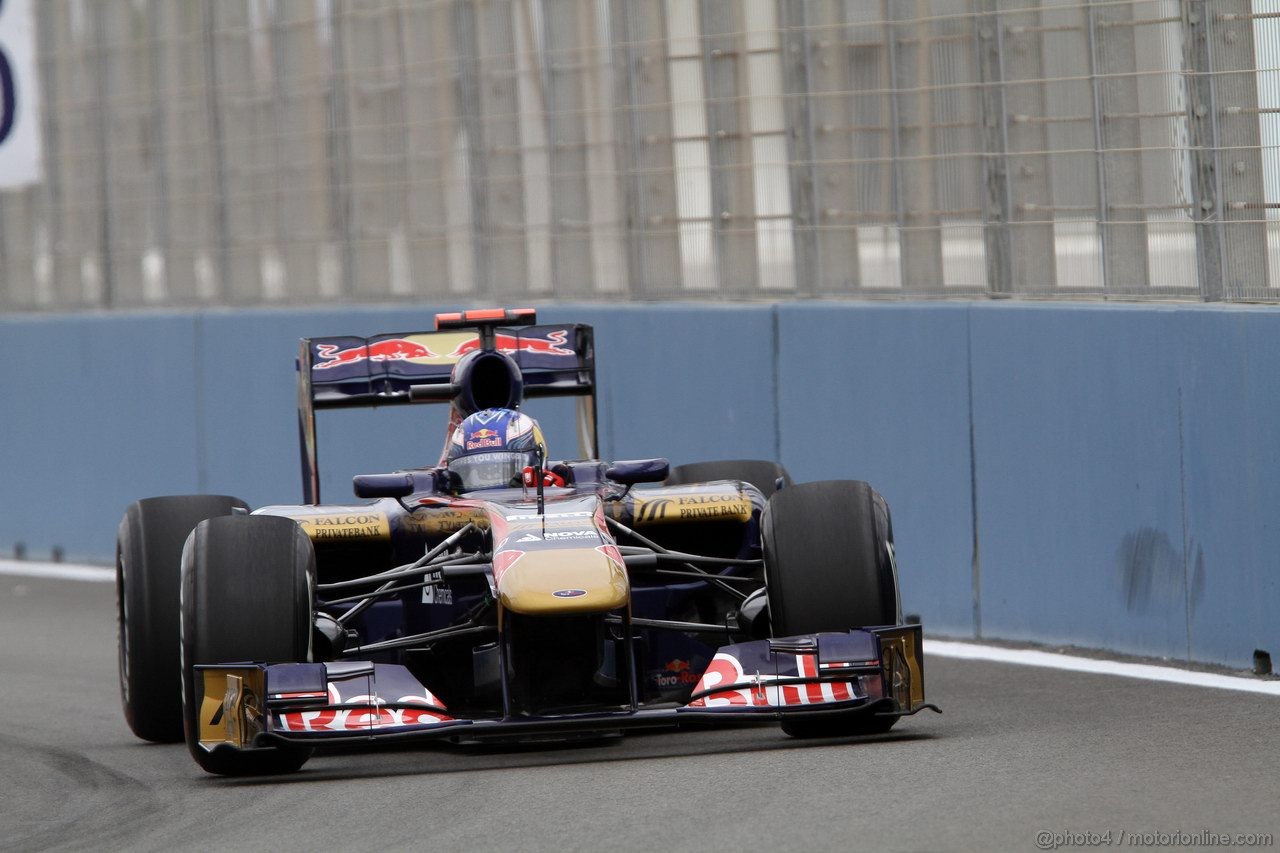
(877, 671)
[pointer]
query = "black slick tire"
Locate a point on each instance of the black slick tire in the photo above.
(829, 566)
(247, 595)
(148, 571)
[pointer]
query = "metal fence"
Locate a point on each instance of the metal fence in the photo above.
(302, 151)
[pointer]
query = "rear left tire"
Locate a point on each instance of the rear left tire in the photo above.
(148, 572)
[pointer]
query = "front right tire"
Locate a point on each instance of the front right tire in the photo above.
(830, 566)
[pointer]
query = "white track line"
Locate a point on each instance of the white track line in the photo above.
(58, 571)
(1147, 672)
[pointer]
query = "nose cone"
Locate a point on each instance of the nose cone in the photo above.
(564, 580)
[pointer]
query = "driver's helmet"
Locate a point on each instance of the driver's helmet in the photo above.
(491, 449)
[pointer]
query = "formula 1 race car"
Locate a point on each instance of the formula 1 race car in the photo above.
(500, 595)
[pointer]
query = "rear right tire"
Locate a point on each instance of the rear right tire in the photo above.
(247, 595)
(758, 472)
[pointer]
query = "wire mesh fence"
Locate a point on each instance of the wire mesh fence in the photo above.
(304, 151)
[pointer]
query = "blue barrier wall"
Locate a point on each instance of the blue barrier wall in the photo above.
(880, 393)
(1079, 500)
(1112, 466)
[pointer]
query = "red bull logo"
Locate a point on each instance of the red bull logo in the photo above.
(677, 665)
(484, 438)
(553, 344)
(392, 349)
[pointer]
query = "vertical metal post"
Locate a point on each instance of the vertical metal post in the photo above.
(716, 166)
(223, 252)
(629, 150)
(1100, 167)
(408, 154)
(470, 107)
(1202, 112)
(654, 258)
(851, 196)
(895, 139)
(504, 217)
(51, 128)
(340, 149)
(1226, 139)
(1034, 176)
(565, 72)
(994, 117)
(280, 118)
(730, 145)
(794, 42)
(104, 155)
(920, 232)
(1115, 54)
(552, 122)
(160, 174)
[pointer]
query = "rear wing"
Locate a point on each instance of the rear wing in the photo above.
(418, 367)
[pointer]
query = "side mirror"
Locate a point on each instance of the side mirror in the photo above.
(398, 485)
(635, 471)
(753, 615)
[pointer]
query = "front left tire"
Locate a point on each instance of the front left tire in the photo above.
(247, 596)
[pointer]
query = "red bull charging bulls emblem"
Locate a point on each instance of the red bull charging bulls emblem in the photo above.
(393, 349)
(553, 344)
(484, 438)
(450, 349)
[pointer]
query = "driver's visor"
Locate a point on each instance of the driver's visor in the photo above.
(498, 469)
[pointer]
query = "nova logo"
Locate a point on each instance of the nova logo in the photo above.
(571, 534)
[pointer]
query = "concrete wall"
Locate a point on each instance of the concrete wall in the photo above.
(1111, 464)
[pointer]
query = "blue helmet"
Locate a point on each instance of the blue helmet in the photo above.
(491, 449)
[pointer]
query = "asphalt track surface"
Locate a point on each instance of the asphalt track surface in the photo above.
(1020, 750)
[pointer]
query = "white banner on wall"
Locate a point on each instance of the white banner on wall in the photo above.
(19, 96)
